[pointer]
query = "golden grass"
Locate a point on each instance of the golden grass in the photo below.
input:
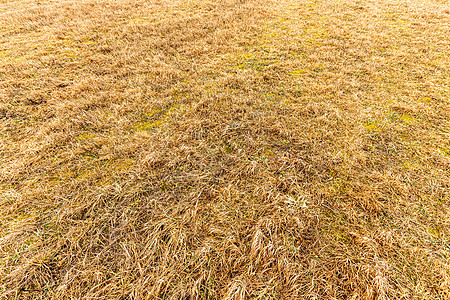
(224, 149)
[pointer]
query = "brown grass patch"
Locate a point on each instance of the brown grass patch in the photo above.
(224, 149)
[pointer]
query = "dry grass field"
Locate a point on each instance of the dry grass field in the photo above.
(224, 149)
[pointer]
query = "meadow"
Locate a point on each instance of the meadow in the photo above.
(225, 149)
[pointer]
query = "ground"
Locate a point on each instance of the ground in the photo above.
(224, 149)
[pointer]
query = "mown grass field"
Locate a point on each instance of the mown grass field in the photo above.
(224, 149)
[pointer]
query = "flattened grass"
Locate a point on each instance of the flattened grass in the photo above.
(224, 149)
